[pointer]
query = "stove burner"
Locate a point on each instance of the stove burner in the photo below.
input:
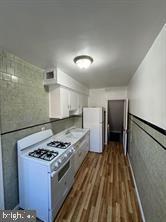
(49, 155)
(59, 144)
(38, 151)
(44, 154)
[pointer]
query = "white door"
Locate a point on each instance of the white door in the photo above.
(125, 126)
(1, 181)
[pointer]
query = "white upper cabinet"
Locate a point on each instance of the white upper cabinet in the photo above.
(82, 102)
(64, 102)
(66, 95)
(58, 102)
(73, 101)
(57, 76)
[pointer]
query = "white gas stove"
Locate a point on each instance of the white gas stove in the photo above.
(46, 173)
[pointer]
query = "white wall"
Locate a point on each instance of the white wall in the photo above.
(147, 88)
(100, 97)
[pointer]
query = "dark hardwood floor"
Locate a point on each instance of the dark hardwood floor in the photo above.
(103, 190)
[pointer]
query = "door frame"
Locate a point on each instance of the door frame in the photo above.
(125, 121)
(1, 180)
(125, 124)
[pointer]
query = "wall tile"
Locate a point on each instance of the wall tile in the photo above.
(148, 160)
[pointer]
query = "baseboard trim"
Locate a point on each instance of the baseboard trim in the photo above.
(136, 189)
(16, 207)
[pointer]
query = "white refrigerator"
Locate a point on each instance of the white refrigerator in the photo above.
(93, 119)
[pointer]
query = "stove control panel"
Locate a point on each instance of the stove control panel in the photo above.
(56, 165)
(62, 159)
(59, 161)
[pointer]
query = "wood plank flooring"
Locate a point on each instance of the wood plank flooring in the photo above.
(103, 190)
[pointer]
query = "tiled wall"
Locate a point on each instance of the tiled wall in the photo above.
(23, 103)
(148, 159)
(78, 121)
(24, 100)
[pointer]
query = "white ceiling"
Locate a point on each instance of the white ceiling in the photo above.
(117, 34)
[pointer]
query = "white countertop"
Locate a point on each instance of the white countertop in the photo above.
(72, 135)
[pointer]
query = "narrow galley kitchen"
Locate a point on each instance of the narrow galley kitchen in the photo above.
(83, 111)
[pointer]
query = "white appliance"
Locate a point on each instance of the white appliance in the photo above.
(93, 119)
(46, 173)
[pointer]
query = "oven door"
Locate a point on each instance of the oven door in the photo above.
(61, 182)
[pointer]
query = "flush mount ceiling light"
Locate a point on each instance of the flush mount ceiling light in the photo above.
(83, 61)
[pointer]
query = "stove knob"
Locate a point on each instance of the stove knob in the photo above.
(65, 155)
(56, 165)
(59, 161)
(71, 150)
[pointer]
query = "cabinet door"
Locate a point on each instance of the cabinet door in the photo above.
(84, 149)
(64, 98)
(84, 100)
(80, 104)
(73, 101)
(77, 159)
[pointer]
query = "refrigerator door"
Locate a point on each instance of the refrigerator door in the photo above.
(93, 119)
(92, 116)
(96, 138)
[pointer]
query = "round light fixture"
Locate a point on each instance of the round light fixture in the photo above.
(83, 61)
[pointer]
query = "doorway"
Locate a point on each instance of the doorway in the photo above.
(117, 121)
